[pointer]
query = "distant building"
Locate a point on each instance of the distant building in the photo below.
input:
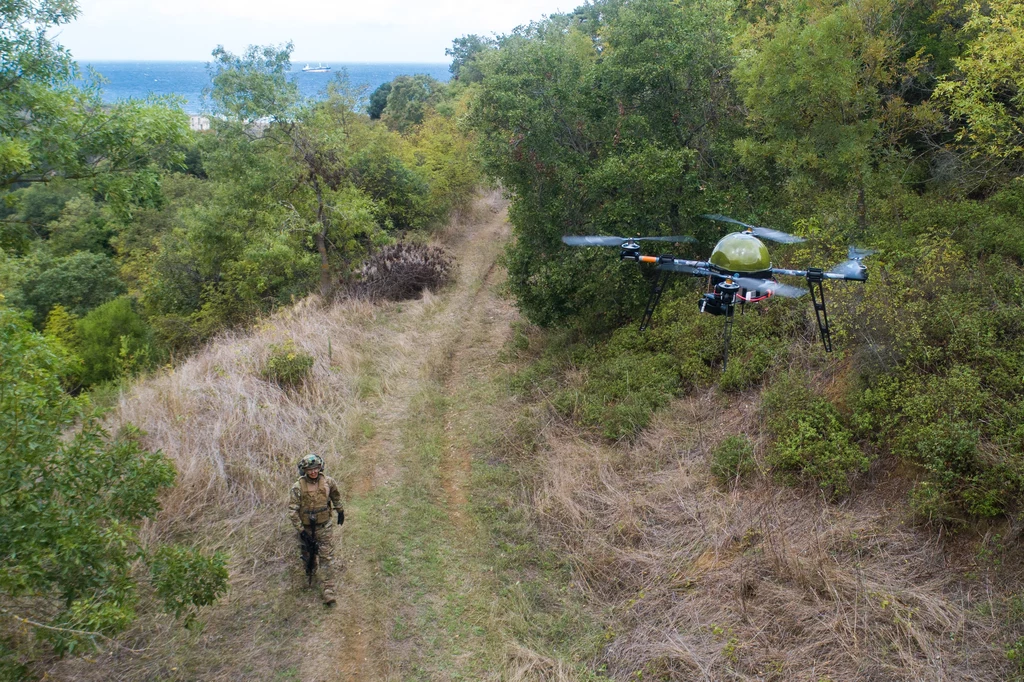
(199, 122)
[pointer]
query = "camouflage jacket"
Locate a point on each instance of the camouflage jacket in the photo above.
(313, 496)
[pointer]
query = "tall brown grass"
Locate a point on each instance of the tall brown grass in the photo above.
(233, 436)
(761, 582)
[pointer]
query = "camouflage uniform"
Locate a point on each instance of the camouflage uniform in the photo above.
(320, 495)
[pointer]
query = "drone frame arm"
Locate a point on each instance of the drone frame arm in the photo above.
(816, 272)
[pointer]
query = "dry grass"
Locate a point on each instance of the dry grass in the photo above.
(761, 582)
(234, 439)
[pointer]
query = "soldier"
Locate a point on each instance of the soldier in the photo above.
(316, 493)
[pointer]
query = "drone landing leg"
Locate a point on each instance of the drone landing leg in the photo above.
(652, 300)
(726, 333)
(814, 277)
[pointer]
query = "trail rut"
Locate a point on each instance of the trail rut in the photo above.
(448, 337)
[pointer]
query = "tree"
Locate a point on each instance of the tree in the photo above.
(113, 341)
(379, 100)
(814, 85)
(50, 128)
(464, 53)
(79, 282)
(409, 99)
(72, 497)
(603, 121)
(986, 91)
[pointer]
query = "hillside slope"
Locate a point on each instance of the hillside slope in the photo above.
(488, 538)
(387, 407)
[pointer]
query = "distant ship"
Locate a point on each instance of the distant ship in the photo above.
(319, 68)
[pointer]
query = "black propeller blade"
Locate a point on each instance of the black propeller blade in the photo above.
(765, 232)
(600, 240)
(767, 285)
(853, 268)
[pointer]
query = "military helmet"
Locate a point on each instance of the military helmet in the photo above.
(309, 461)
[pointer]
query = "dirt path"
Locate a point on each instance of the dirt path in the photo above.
(437, 348)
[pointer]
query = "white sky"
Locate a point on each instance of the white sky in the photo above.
(327, 30)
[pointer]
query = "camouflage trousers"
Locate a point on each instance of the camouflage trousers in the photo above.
(325, 564)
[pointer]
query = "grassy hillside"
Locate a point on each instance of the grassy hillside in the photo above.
(712, 566)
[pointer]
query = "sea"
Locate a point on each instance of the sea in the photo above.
(187, 80)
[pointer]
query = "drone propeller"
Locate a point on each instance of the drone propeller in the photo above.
(765, 232)
(770, 286)
(600, 240)
(852, 267)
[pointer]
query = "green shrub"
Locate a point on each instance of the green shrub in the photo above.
(74, 496)
(958, 428)
(62, 333)
(185, 579)
(1015, 653)
(287, 366)
(748, 369)
(810, 439)
(626, 380)
(733, 459)
(114, 341)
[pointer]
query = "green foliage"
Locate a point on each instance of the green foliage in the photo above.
(254, 85)
(61, 330)
(819, 114)
(73, 496)
(733, 459)
(185, 579)
(11, 668)
(78, 282)
(409, 100)
(286, 365)
(81, 226)
(378, 100)
(810, 438)
(987, 89)
(465, 52)
(600, 129)
(113, 342)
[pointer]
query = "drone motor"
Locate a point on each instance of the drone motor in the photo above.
(721, 301)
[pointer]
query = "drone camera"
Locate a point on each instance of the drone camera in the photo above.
(713, 304)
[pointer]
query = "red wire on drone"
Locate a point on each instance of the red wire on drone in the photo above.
(755, 300)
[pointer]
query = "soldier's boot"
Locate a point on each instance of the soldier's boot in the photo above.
(328, 594)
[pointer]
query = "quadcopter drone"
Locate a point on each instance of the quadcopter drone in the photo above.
(739, 270)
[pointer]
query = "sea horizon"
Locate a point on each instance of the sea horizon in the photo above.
(139, 79)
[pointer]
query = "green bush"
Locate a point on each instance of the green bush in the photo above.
(733, 459)
(287, 366)
(959, 427)
(73, 498)
(626, 381)
(810, 439)
(185, 579)
(113, 341)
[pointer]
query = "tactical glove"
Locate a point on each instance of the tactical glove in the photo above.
(305, 536)
(341, 516)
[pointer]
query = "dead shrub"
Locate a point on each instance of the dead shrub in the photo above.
(402, 271)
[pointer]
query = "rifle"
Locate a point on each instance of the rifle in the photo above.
(310, 547)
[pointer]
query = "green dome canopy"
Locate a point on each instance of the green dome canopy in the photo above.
(742, 253)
